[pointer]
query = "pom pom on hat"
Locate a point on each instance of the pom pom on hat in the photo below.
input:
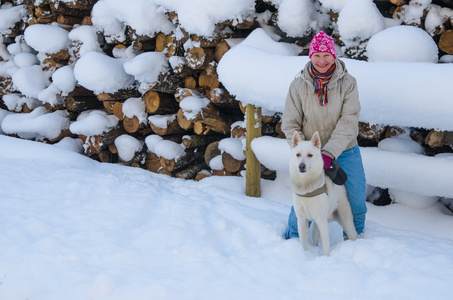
(321, 42)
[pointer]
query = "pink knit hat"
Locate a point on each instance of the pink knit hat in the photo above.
(321, 42)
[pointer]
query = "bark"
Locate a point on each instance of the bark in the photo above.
(199, 141)
(189, 158)
(80, 91)
(191, 171)
(222, 98)
(202, 174)
(213, 118)
(95, 144)
(79, 104)
(238, 131)
(371, 132)
(69, 20)
(182, 93)
(153, 162)
(211, 151)
(168, 83)
(122, 94)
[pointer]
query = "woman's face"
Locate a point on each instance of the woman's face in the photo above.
(322, 61)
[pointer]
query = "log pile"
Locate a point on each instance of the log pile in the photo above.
(163, 115)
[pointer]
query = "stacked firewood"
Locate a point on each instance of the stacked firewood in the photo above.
(200, 133)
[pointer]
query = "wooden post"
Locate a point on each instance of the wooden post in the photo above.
(253, 166)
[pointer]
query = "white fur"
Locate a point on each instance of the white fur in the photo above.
(307, 174)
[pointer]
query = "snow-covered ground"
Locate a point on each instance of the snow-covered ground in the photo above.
(73, 228)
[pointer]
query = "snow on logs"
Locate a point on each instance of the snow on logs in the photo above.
(181, 121)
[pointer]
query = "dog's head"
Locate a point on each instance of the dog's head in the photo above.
(305, 155)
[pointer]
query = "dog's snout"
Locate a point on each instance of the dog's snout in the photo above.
(302, 167)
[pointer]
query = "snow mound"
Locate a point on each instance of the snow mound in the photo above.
(402, 43)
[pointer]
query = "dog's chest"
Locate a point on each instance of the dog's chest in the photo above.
(315, 207)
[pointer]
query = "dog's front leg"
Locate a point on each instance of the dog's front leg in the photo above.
(323, 227)
(302, 227)
(315, 234)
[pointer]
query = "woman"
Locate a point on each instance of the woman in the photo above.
(325, 98)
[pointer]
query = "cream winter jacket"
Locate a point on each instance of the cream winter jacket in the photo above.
(336, 122)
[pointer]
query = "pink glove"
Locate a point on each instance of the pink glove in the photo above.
(327, 161)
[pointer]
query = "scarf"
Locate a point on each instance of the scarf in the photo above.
(320, 81)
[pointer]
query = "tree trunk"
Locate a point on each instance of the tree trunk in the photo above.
(168, 83)
(189, 158)
(152, 162)
(212, 117)
(198, 58)
(230, 163)
(172, 128)
(183, 121)
(95, 144)
(190, 82)
(202, 174)
(211, 151)
(446, 41)
(209, 81)
(222, 98)
(132, 125)
(160, 103)
(191, 171)
(182, 93)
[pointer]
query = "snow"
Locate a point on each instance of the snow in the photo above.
(93, 122)
(101, 73)
(106, 231)
(127, 146)
(135, 107)
(233, 146)
(147, 67)
(30, 80)
(39, 123)
(9, 15)
(366, 18)
(402, 43)
(192, 105)
(46, 39)
(161, 121)
(113, 232)
(64, 80)
(86, 36)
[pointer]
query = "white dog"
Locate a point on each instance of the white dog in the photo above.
(316, 198)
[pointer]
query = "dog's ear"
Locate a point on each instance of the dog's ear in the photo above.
(296, 139)
(316, 140)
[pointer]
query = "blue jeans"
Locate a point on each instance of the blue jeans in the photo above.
(351, 162)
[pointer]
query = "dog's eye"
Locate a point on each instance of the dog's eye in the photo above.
(310, 155)
(298, 154)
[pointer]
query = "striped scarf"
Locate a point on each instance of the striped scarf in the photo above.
(320, 81)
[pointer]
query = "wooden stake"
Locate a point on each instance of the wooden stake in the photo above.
(253, 166)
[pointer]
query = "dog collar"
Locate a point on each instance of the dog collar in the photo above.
(316, 192)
